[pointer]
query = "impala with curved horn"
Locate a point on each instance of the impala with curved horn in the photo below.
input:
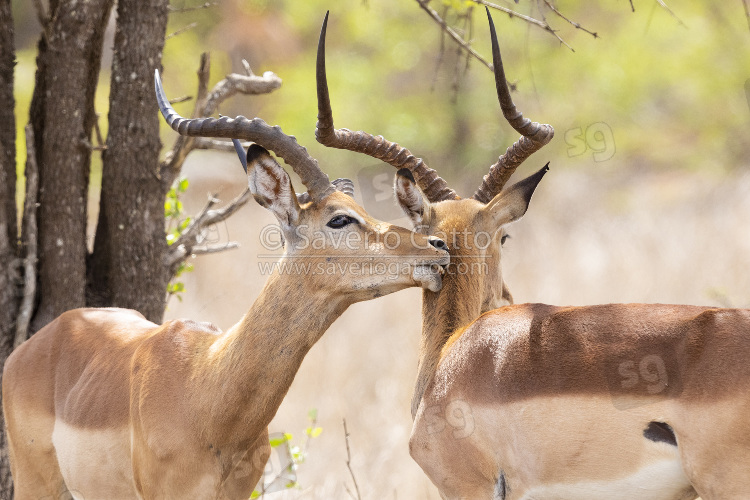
(103, 404)
(617, 401)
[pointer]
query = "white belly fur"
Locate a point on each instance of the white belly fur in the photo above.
(664, 480)
(95, 464)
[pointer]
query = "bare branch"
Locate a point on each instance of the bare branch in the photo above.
(632, 7)
(181, 31)
(30, 240)
(236, 83)
(215, 248)
(572, 23)
(217, 144)
(179, 10)
(178, 100)
(206, 103)
(192, 237)
(349, 463)
(451, 32)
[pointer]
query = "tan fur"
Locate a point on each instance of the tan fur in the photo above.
(555, 400)
(107, 405)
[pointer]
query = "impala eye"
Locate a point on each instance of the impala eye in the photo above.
(340, 221)
(503, 238)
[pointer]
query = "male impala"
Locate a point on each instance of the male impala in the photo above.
(540, 402)
(107, 405)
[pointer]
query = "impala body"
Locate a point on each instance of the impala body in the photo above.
(647, 402)
(103, 404)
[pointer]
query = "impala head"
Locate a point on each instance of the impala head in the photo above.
(331, 243)
(473, 228)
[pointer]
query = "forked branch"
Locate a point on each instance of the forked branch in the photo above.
(190, 241)
(206, 103)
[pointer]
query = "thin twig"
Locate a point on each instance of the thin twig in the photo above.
(217, 144)
(214, 248)
(98, 132)
(349, 463)
(535, 22)
(747, 12)
(441, 52)
(671, 13)
(452, 33)
(193, 234)
(177, 10)
(30, 240)
(178, 100)
(632, 7)
(572, 23)
(181, 31)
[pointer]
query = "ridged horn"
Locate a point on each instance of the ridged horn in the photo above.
(534, 135)
(431, 184)
(256, 130)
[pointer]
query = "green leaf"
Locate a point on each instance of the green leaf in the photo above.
(313, 432)
(255, 494)
(183, 185)
(280, 440)
(313, 414)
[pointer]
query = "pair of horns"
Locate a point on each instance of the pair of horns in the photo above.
(533, 135)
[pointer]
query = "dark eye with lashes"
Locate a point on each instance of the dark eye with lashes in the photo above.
(503, 238)
(339, 221)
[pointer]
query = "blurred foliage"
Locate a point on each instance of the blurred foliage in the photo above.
(176, 225)
(671, 93)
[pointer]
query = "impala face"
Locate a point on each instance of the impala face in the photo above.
(475, 233)
(333, 243)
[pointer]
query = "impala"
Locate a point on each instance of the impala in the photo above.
(530, 401)
(104, 404)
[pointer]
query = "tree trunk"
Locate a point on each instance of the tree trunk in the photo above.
(69, 62)
(8, 221)
(127, 268)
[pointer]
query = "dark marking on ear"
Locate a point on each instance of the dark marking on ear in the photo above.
(660, 432)
(529, 184)
(405, 172)
(254, 151)
(501, 488)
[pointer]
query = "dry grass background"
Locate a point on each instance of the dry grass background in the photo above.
(595, 233)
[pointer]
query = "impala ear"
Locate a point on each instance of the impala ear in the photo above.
(511, 204)
(271, 186)
(409, 197)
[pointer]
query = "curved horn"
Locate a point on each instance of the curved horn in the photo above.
(256, 130)
(433, 186)
(534, 135)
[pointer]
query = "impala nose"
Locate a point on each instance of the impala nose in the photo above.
(438, 243)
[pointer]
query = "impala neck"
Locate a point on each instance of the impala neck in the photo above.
(254, 363)
(443, 313)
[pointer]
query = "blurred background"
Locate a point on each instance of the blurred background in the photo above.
(647, 200)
